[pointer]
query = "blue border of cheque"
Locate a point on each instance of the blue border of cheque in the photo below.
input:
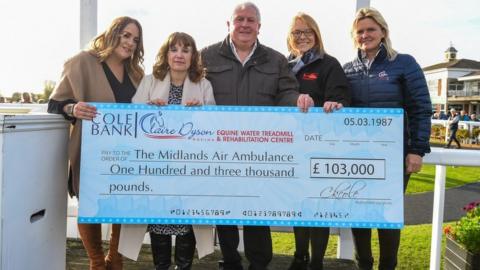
(217, 108)
(263, 222)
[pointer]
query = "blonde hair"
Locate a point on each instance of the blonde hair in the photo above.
(160, 69)
(377, 17)
(310, 22)
(104, 44)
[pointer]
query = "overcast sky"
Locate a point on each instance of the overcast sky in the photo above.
(38, 36)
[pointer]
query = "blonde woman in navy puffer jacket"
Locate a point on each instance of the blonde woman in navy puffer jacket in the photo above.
(381, 77)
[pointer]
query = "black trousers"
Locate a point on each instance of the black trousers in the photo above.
(389, 242)
(453, 137)
(318, 237)
(258, 246)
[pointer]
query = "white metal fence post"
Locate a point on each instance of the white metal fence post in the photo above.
(362, 3)
(345, 247)
(437, 220)
(88, 21)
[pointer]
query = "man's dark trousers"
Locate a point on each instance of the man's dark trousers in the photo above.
(258, 246)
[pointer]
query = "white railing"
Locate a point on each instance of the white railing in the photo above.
(442, 158)
(462, 124)
(439, 157)
(470, 91)
(33, 107)
(469, 125)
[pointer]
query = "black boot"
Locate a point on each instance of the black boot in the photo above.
(319, 240)
(224, 266)
(300, 262)
(161, 250)
(184, 250)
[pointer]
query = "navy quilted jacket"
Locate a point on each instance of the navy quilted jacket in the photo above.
(394, 84)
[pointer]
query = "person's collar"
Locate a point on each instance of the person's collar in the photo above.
(363, 56)
(234, 51)
(311, 55)
(298, 62)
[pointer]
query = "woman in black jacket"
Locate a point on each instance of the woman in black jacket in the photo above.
(321, 76)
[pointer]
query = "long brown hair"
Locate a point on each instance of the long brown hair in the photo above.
(160, 69)
(104, 44)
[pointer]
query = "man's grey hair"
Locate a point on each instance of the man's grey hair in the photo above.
(245, 5)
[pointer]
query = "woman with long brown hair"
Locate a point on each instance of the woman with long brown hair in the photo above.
(109, 71)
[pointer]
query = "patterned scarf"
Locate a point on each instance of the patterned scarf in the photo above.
(300, 61)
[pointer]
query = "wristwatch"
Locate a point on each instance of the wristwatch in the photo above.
(69, 109)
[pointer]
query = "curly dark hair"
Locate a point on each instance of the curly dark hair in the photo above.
(160, 69)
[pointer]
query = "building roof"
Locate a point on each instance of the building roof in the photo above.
(472, 76)
(451, 49)
(456, 63)
(473, 73)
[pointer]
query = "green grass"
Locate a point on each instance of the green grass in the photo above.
(423, 181)
(414, 250)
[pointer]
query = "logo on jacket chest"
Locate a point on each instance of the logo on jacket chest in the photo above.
(383, 76)
(310, 76)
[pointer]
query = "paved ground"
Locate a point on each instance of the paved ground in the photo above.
(77, 260)
(418, 207)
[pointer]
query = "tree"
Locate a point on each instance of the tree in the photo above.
(16, 97)
(48, 87)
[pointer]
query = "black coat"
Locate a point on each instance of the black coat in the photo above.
(324, 80)
(264, 80)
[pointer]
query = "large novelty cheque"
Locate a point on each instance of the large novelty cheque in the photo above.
(242, 165)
